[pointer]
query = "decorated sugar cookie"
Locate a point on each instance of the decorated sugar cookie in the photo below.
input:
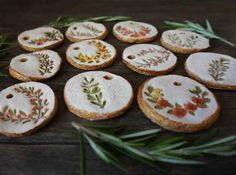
(134, 32)
(91, 54)
(26, 107)
(35, 66)
(98, 95)
(184, 42)
(86, 30)
(40, 38)
(178, 103)
(214, 70)
(149, 59)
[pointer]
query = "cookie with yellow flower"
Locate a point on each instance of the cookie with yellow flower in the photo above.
(91, 54)
(178, 103)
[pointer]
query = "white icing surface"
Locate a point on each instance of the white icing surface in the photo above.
(201, 42)
(36, 34)
(199, 64)
(117, 92)
(20, 101)
(144, 53)
(31, 67)
(85, 48)
(135, 27)
(181, 95)
(82, 30)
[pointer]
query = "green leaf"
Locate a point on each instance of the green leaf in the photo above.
(140, 134)
(206, 138)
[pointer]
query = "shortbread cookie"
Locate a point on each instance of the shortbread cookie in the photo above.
(214, 70)
(40, 38)
(184, 42)
(35, 66)
(134, 32)
(86, 30)
(26, 107)
(98, 95)
(178, 103)
(91, 54)
(149, 59)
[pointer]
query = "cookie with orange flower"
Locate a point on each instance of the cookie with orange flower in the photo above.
(134, 32)
(25, 108)
(178, 103)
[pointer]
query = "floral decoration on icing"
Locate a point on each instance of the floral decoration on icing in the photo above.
(92, 31)
(190, 41)
(218, 68)
(46, 65)
(143, 31)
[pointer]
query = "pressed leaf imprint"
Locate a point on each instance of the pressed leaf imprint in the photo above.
(218, 68)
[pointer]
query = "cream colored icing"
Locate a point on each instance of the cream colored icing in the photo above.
(117, 92)
(88, 48)
(149, 57)
(86, 30)
(199, 65)
(184, 39)
(180, 94)
(39, 33)
(34, 65)
(21, 102)
(135, 27)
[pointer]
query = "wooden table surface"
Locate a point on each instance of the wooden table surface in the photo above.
(55, 149)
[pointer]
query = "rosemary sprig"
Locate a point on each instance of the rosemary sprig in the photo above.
(150, 147)
(1, 73)
(5, 44)
(195, 27)
(64, 21)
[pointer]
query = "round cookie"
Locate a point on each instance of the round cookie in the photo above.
(178, 103)
(134, 32)
(35, 66)
(184, 42)
(86, 30)
(26, 107)
(149, 59)
(216, 71)
(40, 38)
(98, 95)
(91, 54)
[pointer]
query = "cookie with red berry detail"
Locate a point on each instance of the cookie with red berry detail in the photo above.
(134, 32)
(25, 108)
(40, 38)
(35, 66)
(178, 103)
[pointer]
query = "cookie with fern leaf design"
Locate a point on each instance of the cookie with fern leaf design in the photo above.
(184, 42)
(35, 66)
(91, 54)
(149, 59)
(134, 32)
(178, 103)
(86, 30)
(98, 95)
(40, 39)
(215, 70)
(25, 108)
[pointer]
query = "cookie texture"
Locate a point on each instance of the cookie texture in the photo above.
(91, 54)
(216, 71)
(184, 42)
(98, 95)
(134, 32)
(149, 59)
(26, 107)
(35, 66)
(86, 30)
(178, 103)
(40, 39)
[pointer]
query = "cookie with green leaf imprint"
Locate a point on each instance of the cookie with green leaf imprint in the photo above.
(35, 66)
(184, 42)
(40, 38)
(26, 107)
(86, 30)
(149, 59)
(98, 95)
(178, 103)
(216, 71)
